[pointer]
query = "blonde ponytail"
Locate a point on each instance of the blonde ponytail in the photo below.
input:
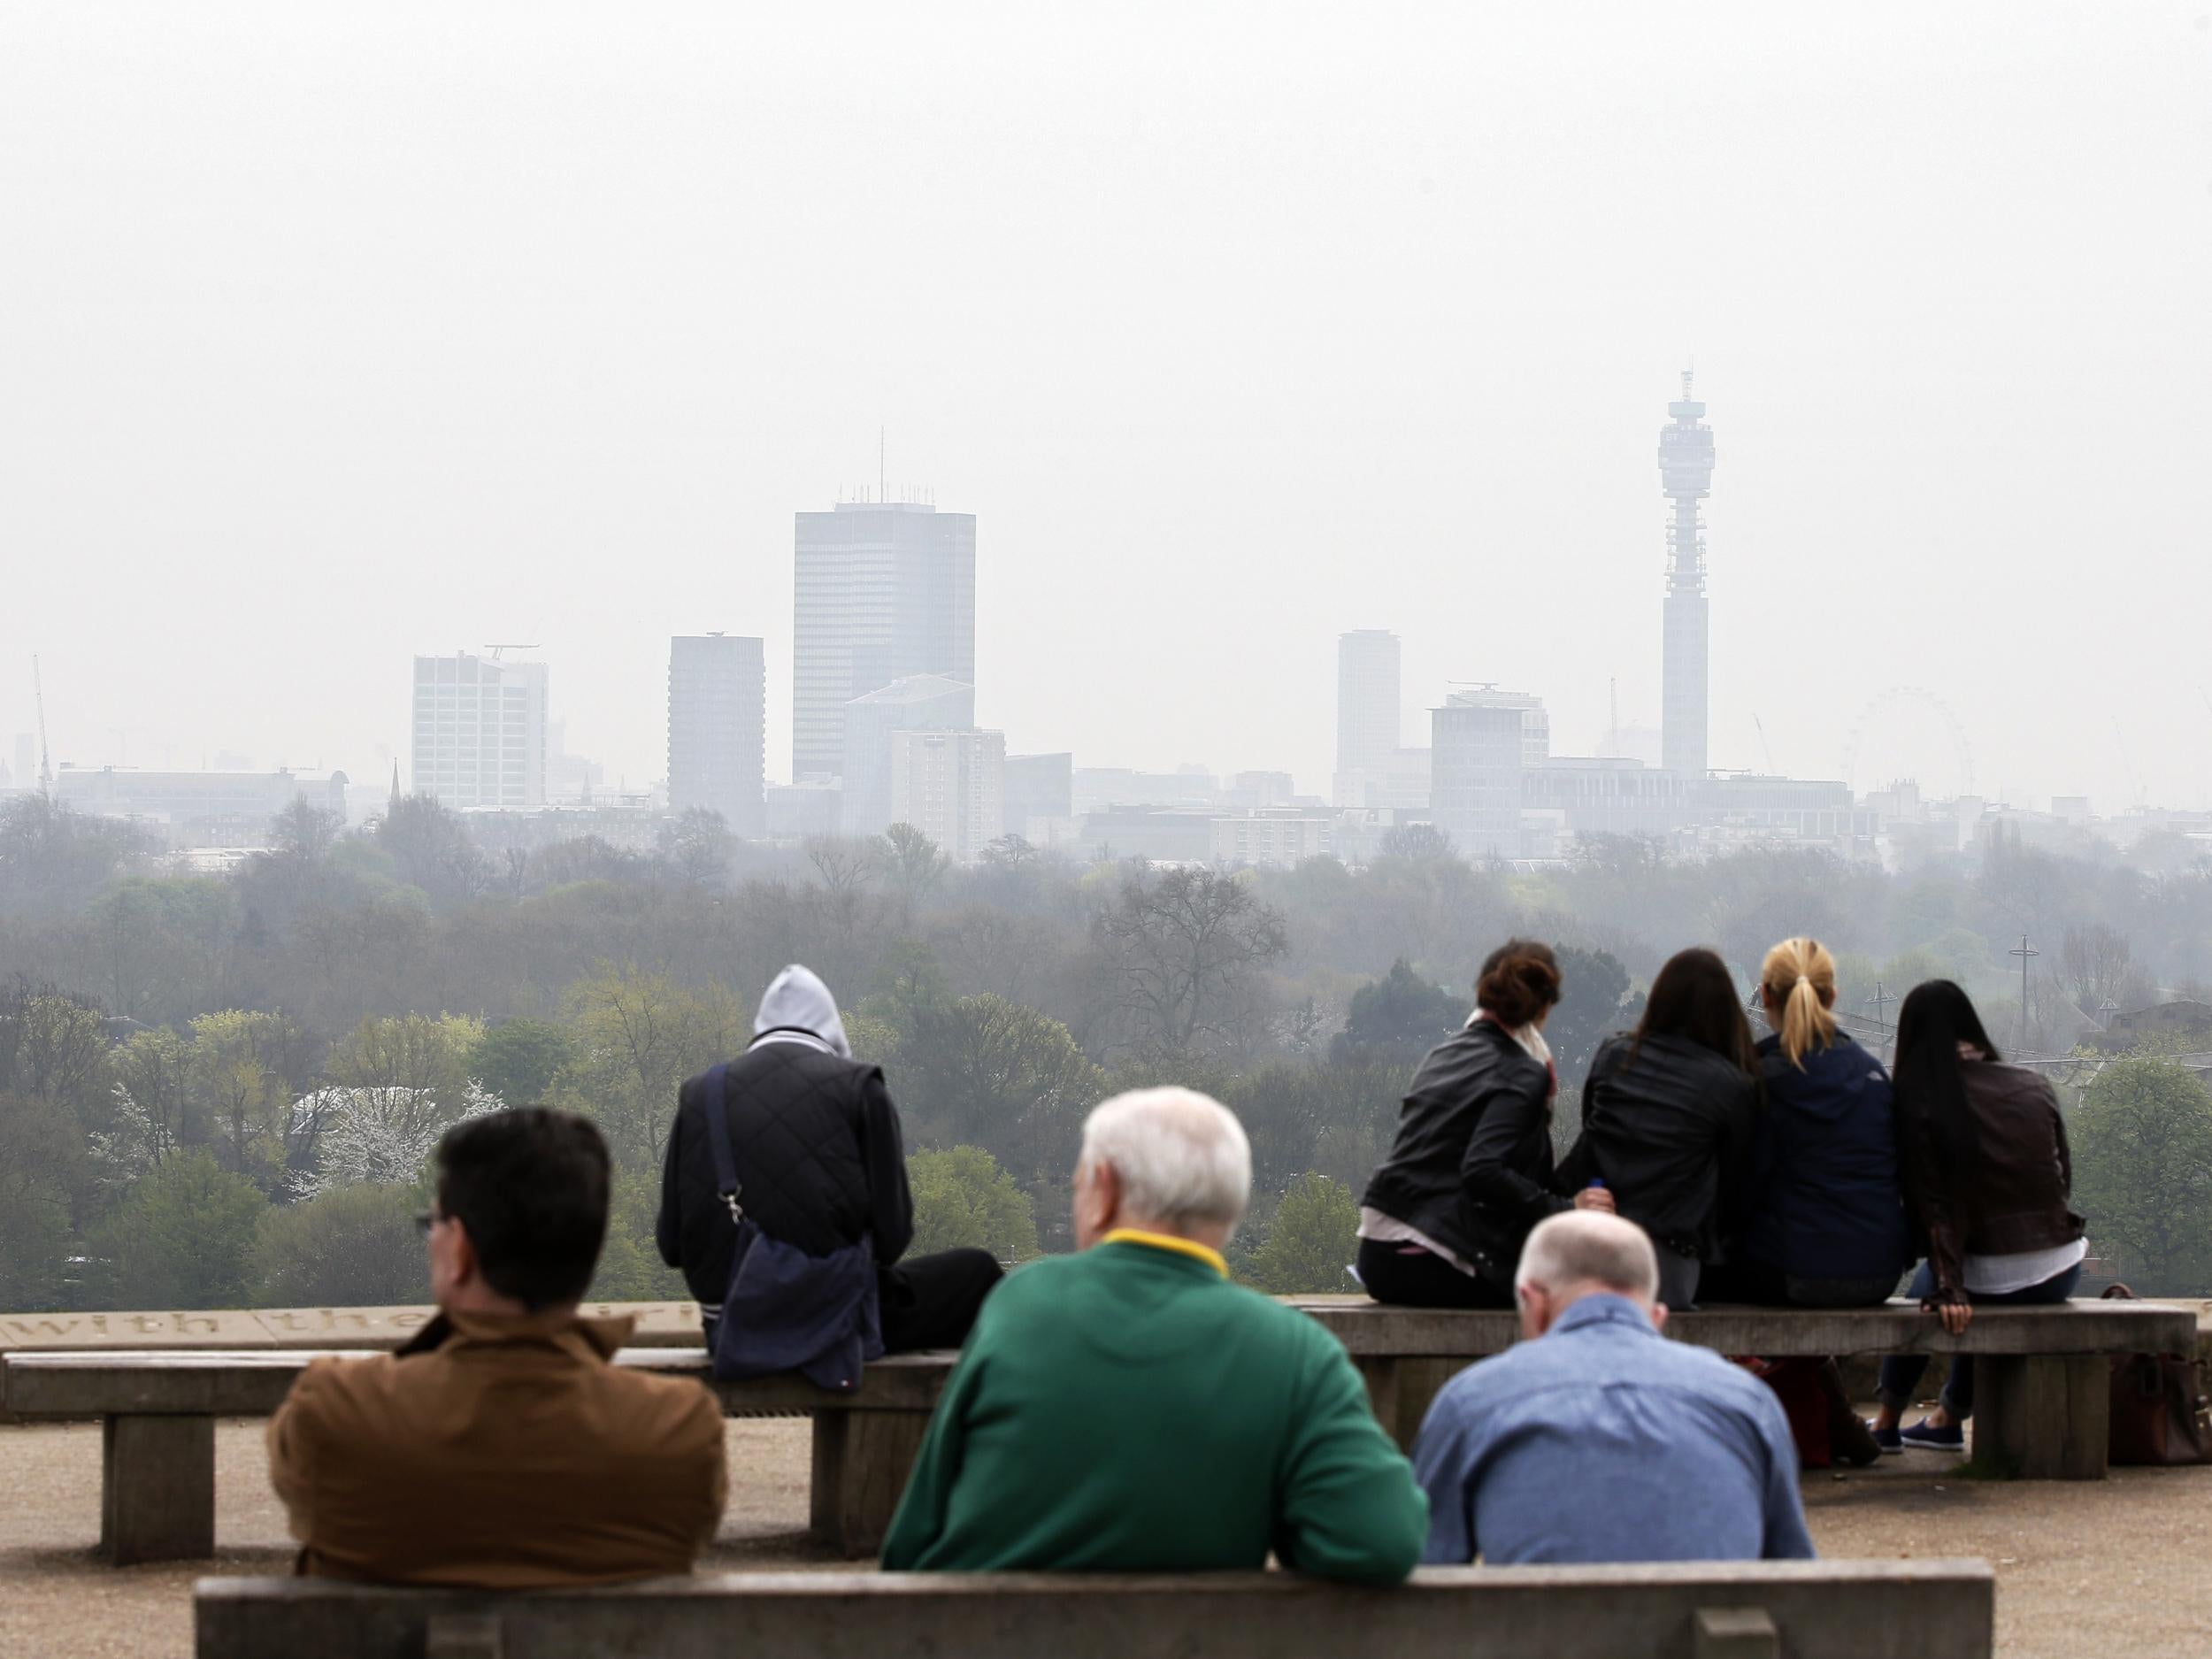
(1799, 977)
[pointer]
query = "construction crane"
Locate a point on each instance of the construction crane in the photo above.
(496, 650)
(1764, 746)
(45, 757)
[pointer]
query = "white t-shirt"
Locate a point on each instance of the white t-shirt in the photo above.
(1999, 1275)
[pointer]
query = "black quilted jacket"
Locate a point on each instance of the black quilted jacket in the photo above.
(818, 1153)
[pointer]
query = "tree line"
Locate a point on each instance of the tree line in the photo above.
(223, 1089)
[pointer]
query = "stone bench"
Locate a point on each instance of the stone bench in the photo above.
(1816, 1609)
(158, 1414)
(2042, 1405)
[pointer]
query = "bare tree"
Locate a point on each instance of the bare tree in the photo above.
(2094, 961)
(1186, 945)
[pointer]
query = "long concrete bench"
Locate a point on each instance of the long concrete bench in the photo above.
(2042, 1399)
(2042, 1402)
(158, 1414)
(1821, 1609)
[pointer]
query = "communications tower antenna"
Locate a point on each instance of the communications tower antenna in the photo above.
(45, 757)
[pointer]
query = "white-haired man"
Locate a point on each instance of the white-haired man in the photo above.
(1127, 1409)
(1595, 1439)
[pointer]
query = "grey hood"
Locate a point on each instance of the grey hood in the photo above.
(798, 1006)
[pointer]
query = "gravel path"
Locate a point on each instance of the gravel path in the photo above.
(2123, 1568)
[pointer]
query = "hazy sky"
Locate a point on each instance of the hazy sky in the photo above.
(331, 333)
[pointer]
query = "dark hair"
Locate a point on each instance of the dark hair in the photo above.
(1519, 980)
(530, 1186)
(1936, 1018)
(1694, 997)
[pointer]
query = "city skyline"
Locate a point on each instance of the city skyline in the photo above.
(1360, 325)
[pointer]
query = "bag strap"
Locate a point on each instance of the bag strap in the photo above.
(718, 1110)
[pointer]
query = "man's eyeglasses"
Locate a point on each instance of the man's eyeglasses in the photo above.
(425, 1219)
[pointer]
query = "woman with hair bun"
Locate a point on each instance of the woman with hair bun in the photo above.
(1442, 1222)
(1822, 1216)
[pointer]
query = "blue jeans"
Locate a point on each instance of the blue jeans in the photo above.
(1901, 1372)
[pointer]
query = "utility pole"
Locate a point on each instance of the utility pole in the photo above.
(2026, 952)
(1880, 1000)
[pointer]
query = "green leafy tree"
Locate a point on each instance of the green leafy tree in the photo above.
(1311, 1239)
(961, 1197)
(238, 1082)
(183, 1237)
(2142, 1143)
(916, 867)
(430, 847)
(1594, 1002)
(630, 1266)
(35, 1230)
(517, 1059)
(354, 1247)
(983, 1070)
(53, 861)
(1397, 1018)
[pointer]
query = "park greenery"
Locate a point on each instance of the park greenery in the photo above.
(224, 1089)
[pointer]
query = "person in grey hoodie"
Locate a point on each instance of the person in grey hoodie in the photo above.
(819, 1163)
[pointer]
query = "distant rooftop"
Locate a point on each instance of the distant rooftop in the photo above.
(914, 689)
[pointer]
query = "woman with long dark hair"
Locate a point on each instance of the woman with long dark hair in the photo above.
(1442, 1221)
(1989, 1177)
(1668, 1113)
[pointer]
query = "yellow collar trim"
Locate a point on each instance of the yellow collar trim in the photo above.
(1169, 1241)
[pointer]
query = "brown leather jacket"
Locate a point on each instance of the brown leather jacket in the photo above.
(499, 1453)
(2014, 1195)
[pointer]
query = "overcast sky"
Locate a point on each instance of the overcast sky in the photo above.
(331, 333)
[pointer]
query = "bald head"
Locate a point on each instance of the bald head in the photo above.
(1583, 1253)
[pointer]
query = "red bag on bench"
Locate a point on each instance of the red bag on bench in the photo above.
(2158, 1413)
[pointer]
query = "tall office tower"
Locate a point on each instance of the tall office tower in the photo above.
(718, 729)
(1367, 693)
(1685, 476)
(1477, 752)
(919, 702)
(951, 786)
(480, 731)
(882, 590)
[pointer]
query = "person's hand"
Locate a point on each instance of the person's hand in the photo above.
(1956, 1315)
(1595, 1198)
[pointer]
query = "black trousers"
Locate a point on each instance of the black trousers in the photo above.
(932, 1301)
(1408, 1277)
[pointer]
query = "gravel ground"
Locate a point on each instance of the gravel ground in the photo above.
(2123, 1568)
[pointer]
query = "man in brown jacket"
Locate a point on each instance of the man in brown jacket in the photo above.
(500, 1449)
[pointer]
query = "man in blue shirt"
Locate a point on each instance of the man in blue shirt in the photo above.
(1595, 1439)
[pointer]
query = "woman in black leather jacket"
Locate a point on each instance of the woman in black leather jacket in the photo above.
(1668, 1117)
(1443, 1220)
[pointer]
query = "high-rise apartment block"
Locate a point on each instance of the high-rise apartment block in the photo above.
(480, 731)
(717, 728)
(918, 703)
(1685, 477)
(881, 591)
(951, 786)
(1367, 712)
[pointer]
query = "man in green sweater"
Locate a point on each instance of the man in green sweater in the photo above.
(1128, 1409)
